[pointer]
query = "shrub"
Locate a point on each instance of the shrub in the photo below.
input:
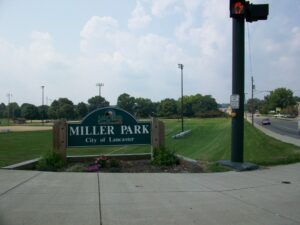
(101, 161)
(210, 114)
(114, 166)
(51, 161)
(164, 157)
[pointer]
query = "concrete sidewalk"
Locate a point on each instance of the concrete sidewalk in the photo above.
(268, 196)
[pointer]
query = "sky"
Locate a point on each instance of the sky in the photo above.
(134, 47)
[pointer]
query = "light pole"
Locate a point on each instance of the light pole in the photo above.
(9, 95)
(42, 111)
(180, 66)
(100, 85)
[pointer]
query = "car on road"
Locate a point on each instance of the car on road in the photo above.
(266, 121)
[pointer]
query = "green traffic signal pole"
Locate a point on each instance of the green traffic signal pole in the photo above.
(238, 13)
(238, 86)
(240, 10)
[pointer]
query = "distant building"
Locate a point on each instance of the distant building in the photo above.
(225, 108)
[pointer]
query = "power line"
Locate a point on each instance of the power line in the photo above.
(251, 73)
(249, 50)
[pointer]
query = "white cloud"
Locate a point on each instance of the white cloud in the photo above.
(99, 25)
(144, 63)
(28, 67)
(139, 18)
(137, 64)
(160, 7)
(133, 64)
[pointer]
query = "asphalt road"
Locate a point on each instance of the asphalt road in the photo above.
(281, 126)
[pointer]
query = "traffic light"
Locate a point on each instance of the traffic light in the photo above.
(237, 8)
(256, 12)
(245, 9)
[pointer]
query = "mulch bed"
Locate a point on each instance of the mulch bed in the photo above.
(145, 166)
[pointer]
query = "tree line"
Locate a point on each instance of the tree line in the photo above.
(280, 100)
(63, 108)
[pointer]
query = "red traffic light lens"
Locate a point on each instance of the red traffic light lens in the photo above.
(238, 8)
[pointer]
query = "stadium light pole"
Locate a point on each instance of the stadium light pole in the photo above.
(100, 85)
(42, 111)
(180, 66)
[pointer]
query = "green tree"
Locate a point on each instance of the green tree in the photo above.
(203, 104)
(63, 108)
(263, 108)
(97, 102)
(3, 113)
(53, 110)
(297, 99)
(254, 105)
(66, 111)
(168, 108)
(187, 106)
(29, 111)
(126, 102)
(43, 112)
(198, 105)
(279, 98)
(81, 109)
(143, 107)
(282, 98)
(14, 110)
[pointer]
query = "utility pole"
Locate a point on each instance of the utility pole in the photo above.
(180, 66)
(240, 10)
(42, 111)
(9, 95)
(100, 85)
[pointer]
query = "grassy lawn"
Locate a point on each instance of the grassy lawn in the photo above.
(208, 141)
(19, 146)
(16, 147)
(4, 122)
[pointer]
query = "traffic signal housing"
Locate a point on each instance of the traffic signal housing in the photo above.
(251, 12)
(237, 8)
(257, 12)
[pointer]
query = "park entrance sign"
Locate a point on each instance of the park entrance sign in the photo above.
(108, 126)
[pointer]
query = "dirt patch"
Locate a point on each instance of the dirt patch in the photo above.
(24, 128)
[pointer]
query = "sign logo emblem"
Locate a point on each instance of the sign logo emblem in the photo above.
(110, 117)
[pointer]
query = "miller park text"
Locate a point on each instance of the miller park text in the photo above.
(98, 134)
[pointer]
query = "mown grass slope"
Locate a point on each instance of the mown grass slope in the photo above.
(209, 140)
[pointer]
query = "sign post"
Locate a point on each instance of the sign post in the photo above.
(299, 124)
(60, 138)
